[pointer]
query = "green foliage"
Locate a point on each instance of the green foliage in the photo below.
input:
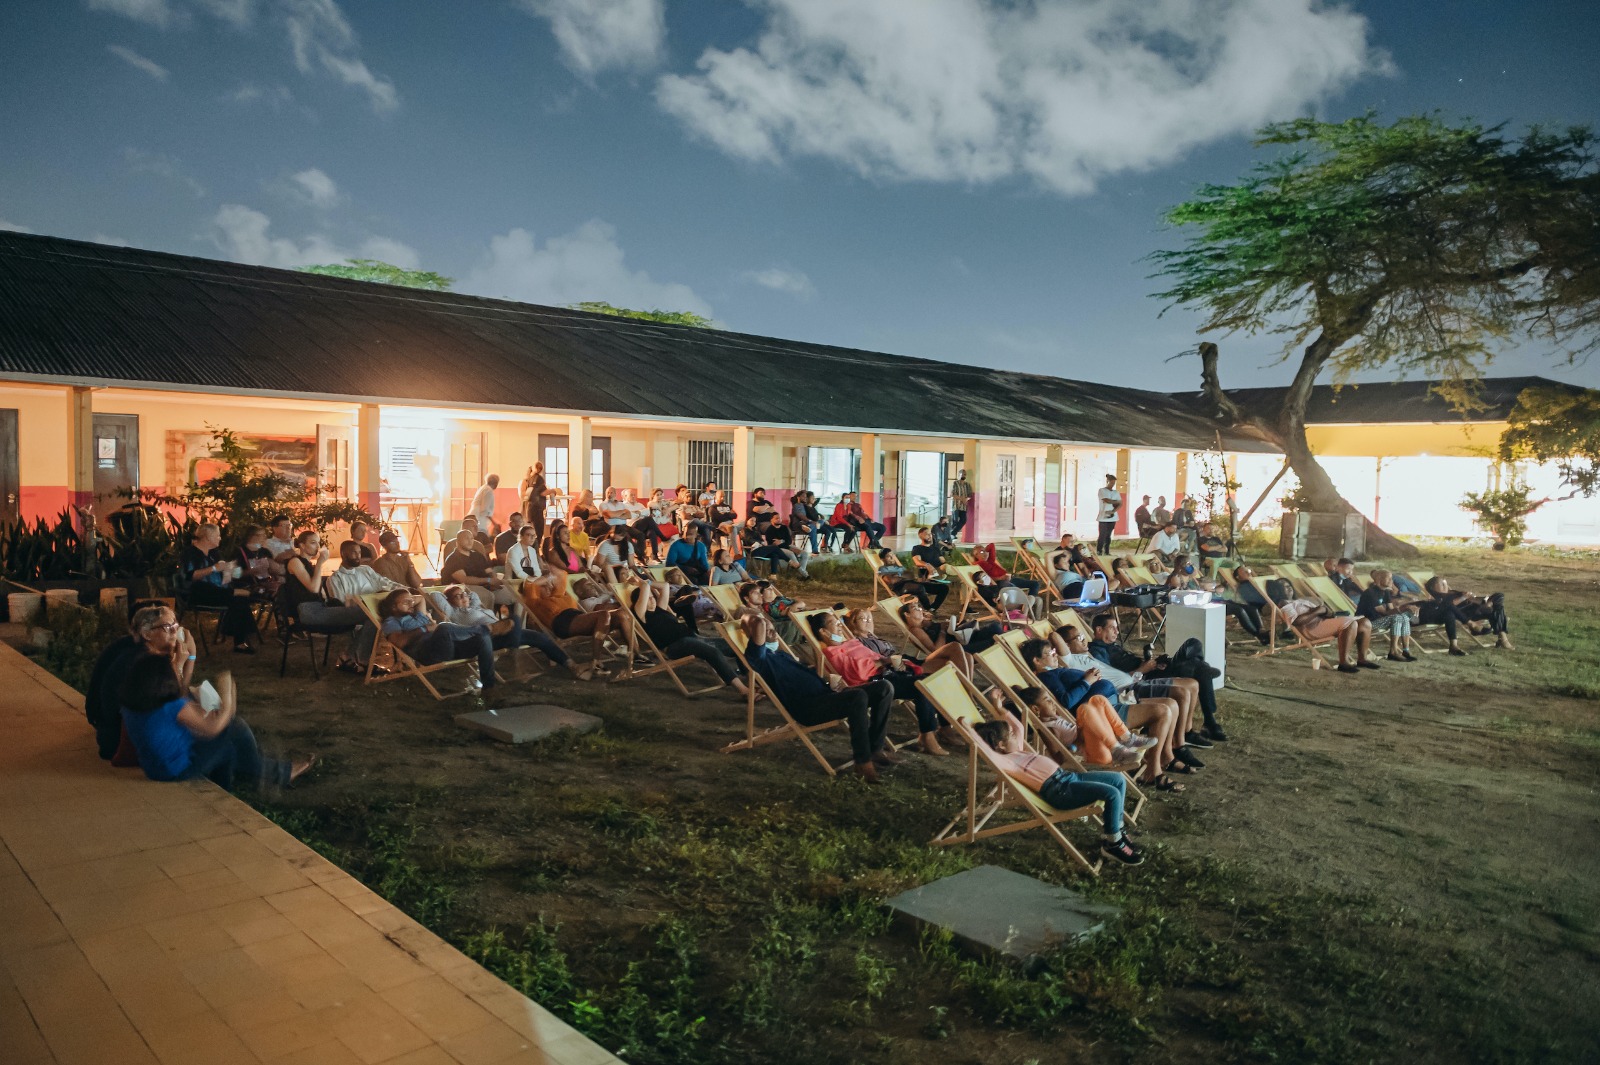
(538, 967)
(1557, 425)
(142, 543)
(1503, 512)
(77, 636)
(41, 551)
(670, 317)
(383, 273)
(1295, 497)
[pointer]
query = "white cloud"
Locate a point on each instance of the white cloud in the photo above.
(316, 187)
(164, 166)
(158, 13)
(779, 279)
(243, 235)
(320, 36)
(105, 238)
(595, 34)
(978, 91)
(139, 62)
(586, 264)
(12, 227)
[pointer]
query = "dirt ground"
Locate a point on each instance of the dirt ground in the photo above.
(1396, 865)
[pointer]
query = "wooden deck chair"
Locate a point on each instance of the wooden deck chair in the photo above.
(1226, 578)
(1035, 565)
(642, 643)
(802, 621)
(879, 583)
(1362, 580)
(1002, 668)
(726, 596)
(1276, 625)
(1331, 594)
(1422, 577)
(963, 581)
(402, 666)
(959, 703)
(1074, 619)
(890, 608)
(789, 729)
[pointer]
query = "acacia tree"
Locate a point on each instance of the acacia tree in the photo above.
(1415, 246)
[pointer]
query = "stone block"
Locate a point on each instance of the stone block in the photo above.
(522, 724)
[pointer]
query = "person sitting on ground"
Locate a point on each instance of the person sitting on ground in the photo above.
(1106, 647)
(467, 565)
(812, 701)
(1316, 622)
(280, 541)
(688, 554)
(1165, 543)
(1480, 616)
(462, 607)
(721, 517)
(1391, 615)
(927, 559)
(1143, 521)
(859, 665)
(305, 592)
(522, 558)
(407, 626)
(480, 539)
(395, 565)
(551, 601)
(153, 630)
(347, 585)
(213, 582)
(1062, 789)
(508, 539)
(1158, 717)
(675, 639)
(1063, 568)
(725, 570)
(178, 739)
(359, 533)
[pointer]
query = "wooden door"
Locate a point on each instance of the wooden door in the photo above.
(466, 472)
(10, 473)
(333, 463)
(1005, 493)
(116, 461)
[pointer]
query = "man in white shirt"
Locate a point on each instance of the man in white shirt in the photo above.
(280, 541)
(1166, 543)
(348, 583)
(482, 506)
(1110, 503)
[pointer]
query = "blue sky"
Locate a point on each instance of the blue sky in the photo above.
(954, 179)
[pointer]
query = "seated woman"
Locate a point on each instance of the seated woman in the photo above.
(859, 665)
(660, 510)
(305, 592)
(213, 582)
(686, 511)
(585, 514)
(1182, 578)
(1316, 622)
(1458, 609)
(406, 625)
(688, 554)
(463, 608)
(1064, 568)
(936, 641)
(1158, 717)
(178, 740)
(550, 599)
(561, 555)
(1062, 789)
(811, 700)
(805, 520)
(779, 608)
(675, 639)
(617, 558)
(522, 557)
(256, 560)
(725, 570)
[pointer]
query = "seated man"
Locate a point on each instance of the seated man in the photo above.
(1210, 547)
(468, 564)
(862, 521)
(395, 565)
(407, 626)
(675, 639)
(479, 537)
(1343, 577)
(1389, 614)
(153, 630)
(461, 606)
(688, 554)
(1063, 566)
(280, 541)
(1107, 647)
(1165, 543)
(780, 548)
(761, 509)
(508, 539)
(348, 584)
(1144, 521)
(840, 523)
(1452, 608)
(1160, 515)
(943, 534)
(359, 531)
(927, 559)
(1185, 520)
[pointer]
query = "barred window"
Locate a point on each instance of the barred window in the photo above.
(709, 460)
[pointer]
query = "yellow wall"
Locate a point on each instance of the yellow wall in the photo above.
(1438, 438)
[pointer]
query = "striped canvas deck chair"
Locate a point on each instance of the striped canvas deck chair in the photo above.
(960, 704)
(998, 664)
(402, 666)
(789, 728)
(642, 645)
(1276, 626)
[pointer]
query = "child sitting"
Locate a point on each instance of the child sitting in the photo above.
(1059, 788)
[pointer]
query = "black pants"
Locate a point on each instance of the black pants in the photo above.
(237, 620)
(1102, 543)
(705, 651)
(931, 594)
(865, 709)
(1197, 670)
(905, 687)
(1438, 612)
(1249, 617)
(696, 573)
(535, 515)
(645, 531)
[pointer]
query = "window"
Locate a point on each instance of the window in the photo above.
(553, 453)
(709, 460)
(832, 471)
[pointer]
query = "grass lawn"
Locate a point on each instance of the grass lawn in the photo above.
(1397, 866)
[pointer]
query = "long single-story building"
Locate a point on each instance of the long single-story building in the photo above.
(115, 361)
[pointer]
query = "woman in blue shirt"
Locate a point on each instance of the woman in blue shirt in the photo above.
(178, 740)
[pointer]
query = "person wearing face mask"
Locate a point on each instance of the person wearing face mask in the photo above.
(859, 665)
(1182, 577)
(347, 584)
(811, 700)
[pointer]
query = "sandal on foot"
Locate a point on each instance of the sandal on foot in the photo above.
(1164, 783)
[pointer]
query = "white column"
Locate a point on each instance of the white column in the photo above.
(579, 435)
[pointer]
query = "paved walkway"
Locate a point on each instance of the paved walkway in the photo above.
(144, 923)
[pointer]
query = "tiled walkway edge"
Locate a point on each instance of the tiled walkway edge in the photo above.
(172, 923)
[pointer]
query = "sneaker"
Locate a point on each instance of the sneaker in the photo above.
(1124, 760)
(1120, 850)
(1215, 734)
(1197, 739)
(1367, 663)
(1136, 742)
(1343, 668)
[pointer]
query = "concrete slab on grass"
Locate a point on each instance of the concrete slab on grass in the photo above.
(992, 910)
(522, 724)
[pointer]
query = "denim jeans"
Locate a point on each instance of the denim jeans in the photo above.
(524, 637)
(231, 758)
(448, 642)
(1068, 791)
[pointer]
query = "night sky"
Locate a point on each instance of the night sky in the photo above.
(950, 179)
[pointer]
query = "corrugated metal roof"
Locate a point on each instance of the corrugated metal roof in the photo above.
(1409, 402)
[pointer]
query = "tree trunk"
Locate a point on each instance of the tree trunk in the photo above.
(1288, 434)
